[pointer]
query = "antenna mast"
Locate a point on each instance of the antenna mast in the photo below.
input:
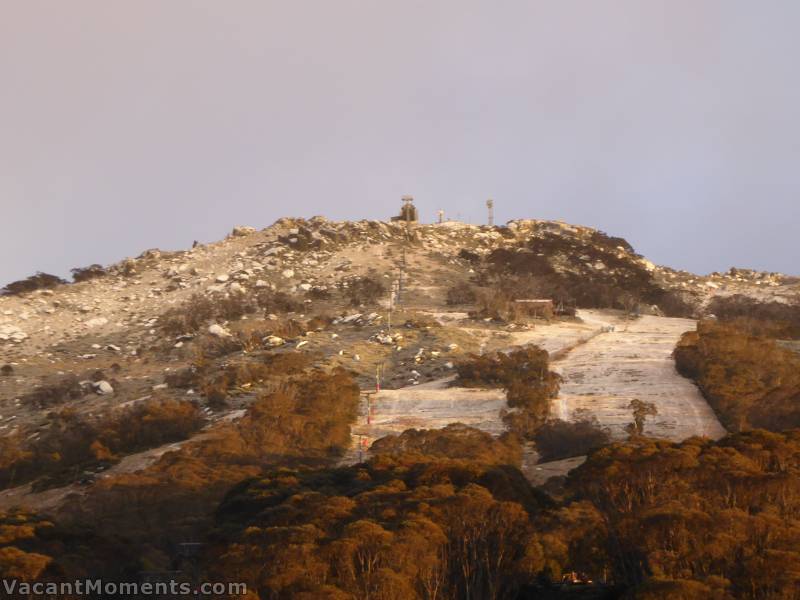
(490, 206)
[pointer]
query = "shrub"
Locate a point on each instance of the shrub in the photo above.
(318, 293)
(559, 439)
(364, 291)
(525, 365)
(463, 293)
(39, 281)
(73, 442)
(86, 273)
(55, 392)
(774, 319)
(456, 441)
(469, 256)
(277, 302)
(189, 317)
(199, 310)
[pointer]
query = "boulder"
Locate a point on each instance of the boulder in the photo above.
(103, 388)
(218, 331)
(96, 322)
(274, 340)
(242, 231)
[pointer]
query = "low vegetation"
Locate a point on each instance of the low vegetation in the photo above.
(215, 383)
(200, 310)
(299, 423)
(771, 319)
(557, 439)
(39, 281)
(455, 441)
(55, 392)
(596, 276)
(72, 443)
(462, 293)
(364, 291)
(81, 274)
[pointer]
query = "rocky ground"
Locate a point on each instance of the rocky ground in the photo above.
(112, 325)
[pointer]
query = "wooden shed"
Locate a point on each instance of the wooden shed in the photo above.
(533, 309)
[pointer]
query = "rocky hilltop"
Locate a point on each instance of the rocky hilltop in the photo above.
(395, 304)
(296, 255)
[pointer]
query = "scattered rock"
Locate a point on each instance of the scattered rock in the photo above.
(274, 340)
(222, 278)
(12, 333)
(242, 231)
(218, 331)
(103, 388)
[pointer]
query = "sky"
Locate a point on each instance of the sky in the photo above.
(128, 125)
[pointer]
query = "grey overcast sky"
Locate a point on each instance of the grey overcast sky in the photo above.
(126, 125)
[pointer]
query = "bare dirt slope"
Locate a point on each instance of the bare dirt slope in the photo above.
(602, 376)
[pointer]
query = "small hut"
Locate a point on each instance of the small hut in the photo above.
(533, 309)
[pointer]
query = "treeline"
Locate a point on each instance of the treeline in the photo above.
(771, 319)
(74, 442)
(643, 519)
(748, 379)
(695, 520)
(392, 528)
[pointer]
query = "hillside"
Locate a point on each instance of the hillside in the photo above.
(120, 337)
(146, 398)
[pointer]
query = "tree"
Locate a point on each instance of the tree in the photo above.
(641, 410)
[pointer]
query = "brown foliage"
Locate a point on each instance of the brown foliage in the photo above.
(700, 515)
(364, 291)
(72, 443)
(559, 439)
(526, 378)
(772, 319)
(199, 310)
(39, 281)
(87, 273)
(55, 392)
(454, 441)
(463, 293)
(381, 530)
(748, 380)
(306, 421)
